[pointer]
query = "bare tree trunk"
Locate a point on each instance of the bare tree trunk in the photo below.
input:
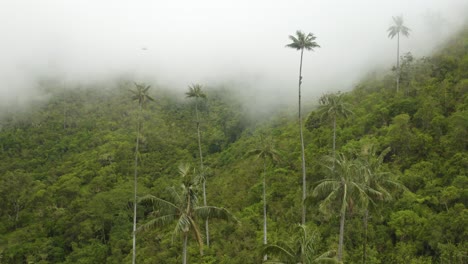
(265, 232)
(135, 186)
(184, 249)
(203, 172)
(304, 189)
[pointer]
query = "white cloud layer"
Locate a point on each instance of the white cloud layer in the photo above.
(209, 41)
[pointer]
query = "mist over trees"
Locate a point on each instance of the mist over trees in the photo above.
(74, 171)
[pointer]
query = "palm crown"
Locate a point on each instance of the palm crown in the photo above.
(140, 94)
(345, 185)
(303, 249)
(398, 27)
(333, 105)
(302, 41)
(195, 90)
(182, 207)
(266, 150)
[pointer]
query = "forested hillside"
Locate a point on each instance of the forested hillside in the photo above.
(389, 167)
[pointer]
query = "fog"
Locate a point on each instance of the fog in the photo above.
(241, 42)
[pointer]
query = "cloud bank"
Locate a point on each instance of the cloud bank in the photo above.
(176, 43)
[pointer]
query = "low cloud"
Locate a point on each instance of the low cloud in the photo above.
(176, 43)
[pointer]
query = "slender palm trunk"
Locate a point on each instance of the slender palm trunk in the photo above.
(202, 171)
(135, 186)
(334, 139)
(265, 232)
(303, 255)
(445, 97)
(340, 245)
(64, 115)
(342, 223)
(304, 190)
(364, 250)
(64, 107)
(16, 205)
(184, 249)
(398, 63)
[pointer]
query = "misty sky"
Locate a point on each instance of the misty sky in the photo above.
(176, 43)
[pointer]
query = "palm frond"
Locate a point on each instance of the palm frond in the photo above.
(392, 32)
(195, 91)
(140, 93)
(358, 195)
(326, 258)
(333, 105)
(184, 169)
(326, 186)
(254, 152)
(302, 41)
(157, 222)
(398, 20)
(265, 150)
(325, 205)
(405, 31)
(182, 226)
(158, 202)
(398, 27)
(149, 98)
(205, 212)
(302, 248)
(175, 196)
(280, 251)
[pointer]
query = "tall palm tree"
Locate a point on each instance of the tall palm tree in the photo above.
(267, 152)
(195, 91)
(302, 249)
(344, 187)
(393, 31)
(377, 179)
(332, 106)
(140, 94)
(302, 42)
(183, 208)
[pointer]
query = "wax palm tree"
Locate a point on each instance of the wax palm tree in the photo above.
(195, 91)
(268, 153)
(140, 94)
(302, 249)
(182, 207)
(345, 187)
(331, 107)
(393, 31)
(302, 42)
(377, 179)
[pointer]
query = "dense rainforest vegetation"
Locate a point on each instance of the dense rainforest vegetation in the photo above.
(386, 173)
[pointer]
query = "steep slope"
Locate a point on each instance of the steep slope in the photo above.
(66, 171)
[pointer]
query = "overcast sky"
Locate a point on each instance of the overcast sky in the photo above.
(175, 43)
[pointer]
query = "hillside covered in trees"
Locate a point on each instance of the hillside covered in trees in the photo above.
(386, 169)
